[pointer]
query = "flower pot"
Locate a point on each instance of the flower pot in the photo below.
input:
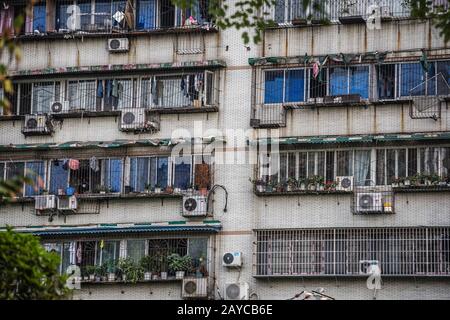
(312, 187)
(124, 277)
(177, 190)
(203, 191)
(407, 183)
(289, 188)
(320, 187)
(111, 276)
(260, 188)
(164, 275)
(302, 186)
(155, 277)
(427, 182)
(147, 276)
(269, 189)
(179, 274)
(92, 277)
(394, 185)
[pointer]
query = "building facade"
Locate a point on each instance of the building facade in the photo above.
(125, 114)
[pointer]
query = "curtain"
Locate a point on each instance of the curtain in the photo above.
(182, 174)
(429, 158)
(295, 86)
(413, 80)
(59, 177)
(338, 81)
(6, 18)
(273, 86)
(362, 167)
(139, 170)
(112, 174)
(162, 172)
(359, 81)
(146, 10)
(39, 17)
(35, 171)
(136, 249)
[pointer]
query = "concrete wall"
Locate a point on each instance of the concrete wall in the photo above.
(245, 210)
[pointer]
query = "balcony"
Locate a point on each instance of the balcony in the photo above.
(67, 18)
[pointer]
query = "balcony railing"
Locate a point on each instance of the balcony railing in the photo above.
(105, 16)
(293, 12)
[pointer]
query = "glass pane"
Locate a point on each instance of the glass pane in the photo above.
(36, 172)
(414, 80)
(401, 163)
(109, 251)
(15, 170)
(182, 172)
(302, 165)
(202, 172)
(273, 86)
(43, 96)
(146, 13)
(443, 68)
(445, 162)
(386, 81)
(412, 162)
(59, 176)
(344, 163)
(112, 174)
(359, 81)
(163, 172)
(429, 158)
(136, 249)
(390, 166)
(329, 176)
(39, 17)
(295, 86)
(380, 167)
(198, 250)
(292, 165)
(139, 170)
(338, 81)
(362, 167)
(283, 167)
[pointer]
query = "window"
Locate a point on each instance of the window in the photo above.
(112, 174)
(146, 14)
(443, 82)
(87, 178)
(350, 80)
(392, 164)
(136, 249)
(82, 95)
(284, 86)
(182, 172)
(116, 94)
(39, 17)
(108, 252)
(44, 93)
(400, 251)
(386, 74)
(415, 81)
(148, 171)
(34, 170)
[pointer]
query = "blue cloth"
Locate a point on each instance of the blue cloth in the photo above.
(338, 81)
(295, 86)
(36, 172)
(146, 14)
(162, 172)
(359, 81)
(113, 174)
(59, 177)
(182, 174)
(39, 17)
(273, 86)
(413, 80)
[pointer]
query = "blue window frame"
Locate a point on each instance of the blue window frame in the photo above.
(284, 86)
(39, 17)
(35, 170)
(413, 80)
(146, 15)
(112, 174)
(350, 80)
(182, 172)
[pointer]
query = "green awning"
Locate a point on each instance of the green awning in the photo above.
(206, 226)
(106, 144)
(121, 67)
(434, 136)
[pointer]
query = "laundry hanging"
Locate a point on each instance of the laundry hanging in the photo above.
(65, 164)
(93, 164)
(79, 255)
(315, 69)
(424, 62)
(74, 164)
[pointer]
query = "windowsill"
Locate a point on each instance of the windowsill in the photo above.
(300, 192)
(115, 33)
(303, 105)
(353, 275)
(422, 188)
(94, 282)
(115, 113)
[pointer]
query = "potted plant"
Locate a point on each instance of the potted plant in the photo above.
(407, 181)
(292, 184)
(320, 185)
(302, 184)
(111, 270)
(311, 183)
(401, 181)
(176, 190)
(100, 272)
(435, 179)
(131, 272)
(259, 184)
(146, 264)
(394, 183)
(90, 270)
(44, 192)
(280, 187)
(102, 189)
(169, 189)
(330, 185)
(426, 179)
(190, 188)
(179, 265)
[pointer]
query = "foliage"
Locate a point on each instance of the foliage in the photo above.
(130, 269)
(27, 270)
(179, 263)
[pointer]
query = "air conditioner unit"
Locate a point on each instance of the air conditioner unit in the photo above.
(57, 107)
(37, 125)
(67, 203)
(195, 206)
(194, 287)
(45, 202)
(237, 291)
(118, 45)
(344, 183)
(133, 119)
(369, 202)
(232, 259)
(367, 266)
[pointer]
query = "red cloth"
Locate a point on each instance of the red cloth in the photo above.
(74, 164)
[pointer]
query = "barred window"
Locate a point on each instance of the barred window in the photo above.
(399, 251)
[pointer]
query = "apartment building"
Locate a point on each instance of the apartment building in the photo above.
(346, 108)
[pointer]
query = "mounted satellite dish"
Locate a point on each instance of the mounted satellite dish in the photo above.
(74, 280)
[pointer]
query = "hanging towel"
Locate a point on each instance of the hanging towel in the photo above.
(79, 254)
(182, 84)
(424, 62)
(74, 164)
(315, 69)
(93, 164)
(65, 165)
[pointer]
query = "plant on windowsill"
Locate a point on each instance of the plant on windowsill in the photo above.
(280, 187)
(320, 183)
(100, 272)
(111, 270)
(259, 184)
(146, 264)
(179, 265)
(292, 184)
(302, 183)
(131, 272)
(270, 185)
(102, 189)
(90, 271)
(330, 186)
(190, 189)
(169, 189)
(435, 179)
(44, 192)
